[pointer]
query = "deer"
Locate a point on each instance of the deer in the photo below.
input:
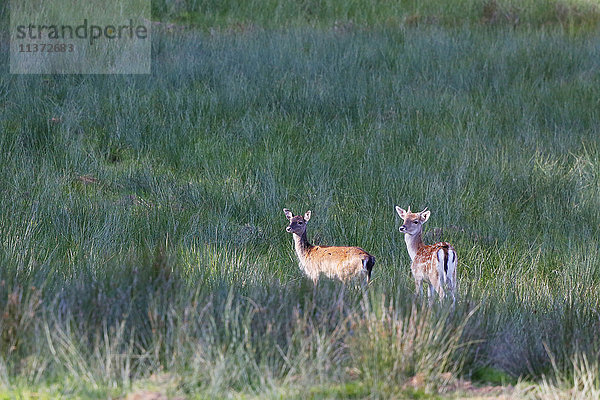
(343, 263)
(435, 264)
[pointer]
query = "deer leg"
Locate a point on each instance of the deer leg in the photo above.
(429, 290)
(430, 293)
(418, 287)
(452, 290)
(315, 280)
(364, 283)
(440, 290)
(341, 299)
(434, 287)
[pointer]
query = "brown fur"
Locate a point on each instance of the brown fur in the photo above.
(427, 265)
(343, 263)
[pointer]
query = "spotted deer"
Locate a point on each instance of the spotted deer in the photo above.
(343, 263)
(434, 264)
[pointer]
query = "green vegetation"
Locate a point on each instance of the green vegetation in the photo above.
(571, 15)
(142, 232)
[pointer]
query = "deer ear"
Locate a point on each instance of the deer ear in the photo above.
(425, 215)
(288, 214)
(402, 213)
(307, 216)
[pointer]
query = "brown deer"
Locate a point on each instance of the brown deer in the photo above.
(434, 264)
(342, 263)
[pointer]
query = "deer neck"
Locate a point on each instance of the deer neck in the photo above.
(413, 244)
(302, 245)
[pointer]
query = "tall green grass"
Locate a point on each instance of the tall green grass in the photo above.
(570, 15)
(143, 233)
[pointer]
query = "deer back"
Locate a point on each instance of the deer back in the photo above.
(336, 261)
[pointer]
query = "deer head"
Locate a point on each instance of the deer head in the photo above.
(413, 222)
(298, 223)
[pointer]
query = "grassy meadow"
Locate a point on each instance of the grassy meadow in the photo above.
(143, 243)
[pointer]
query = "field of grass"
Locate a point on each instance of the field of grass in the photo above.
(143, 242)
(573, 15)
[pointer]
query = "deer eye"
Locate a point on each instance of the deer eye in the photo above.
(300, 223)
(415, 222)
